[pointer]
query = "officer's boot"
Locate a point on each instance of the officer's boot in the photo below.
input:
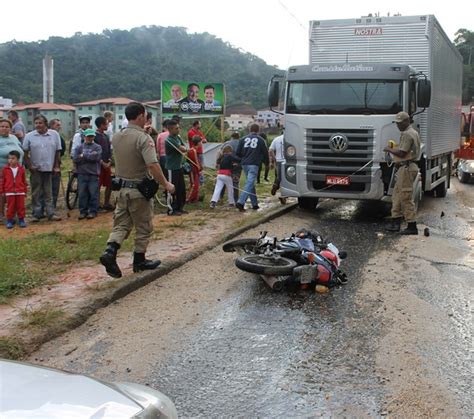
(411, 229)
(109, 260)
(140, 263)
(393, 225)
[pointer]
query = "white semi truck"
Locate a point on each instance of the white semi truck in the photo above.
(339, 109)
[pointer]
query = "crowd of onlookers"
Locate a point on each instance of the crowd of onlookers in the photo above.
(41, 151)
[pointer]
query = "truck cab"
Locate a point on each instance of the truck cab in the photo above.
(338, 119)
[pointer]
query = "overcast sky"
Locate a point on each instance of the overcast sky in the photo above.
(274, 30)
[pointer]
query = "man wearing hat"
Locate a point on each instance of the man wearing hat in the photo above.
(84, 123)
(405, 157)
(87, 158)
(135, 160)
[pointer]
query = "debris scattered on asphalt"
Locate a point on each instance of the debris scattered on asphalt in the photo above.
(426, 232)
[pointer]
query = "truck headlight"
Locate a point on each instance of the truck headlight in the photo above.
(291, 172)
(290, 151)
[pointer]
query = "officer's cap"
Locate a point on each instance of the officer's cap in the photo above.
(401, 116)
(85, 117)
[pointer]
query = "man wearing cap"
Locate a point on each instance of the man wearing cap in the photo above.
(87, 157)
(135, 159)
(405, 156)
(78, 139)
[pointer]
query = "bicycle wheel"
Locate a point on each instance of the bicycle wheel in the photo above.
(266, 265)
(240, 246)
(71, 191)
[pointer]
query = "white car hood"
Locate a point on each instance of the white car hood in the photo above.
(28, 391)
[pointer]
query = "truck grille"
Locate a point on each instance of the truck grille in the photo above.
(322, 161)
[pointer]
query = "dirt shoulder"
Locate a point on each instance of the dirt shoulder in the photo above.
(75, 294)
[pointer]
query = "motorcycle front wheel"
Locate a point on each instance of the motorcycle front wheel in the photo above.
(266, 265)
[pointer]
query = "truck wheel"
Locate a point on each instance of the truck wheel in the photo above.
(308, 203)
(441, 190)
(266, 265)
(463, 177)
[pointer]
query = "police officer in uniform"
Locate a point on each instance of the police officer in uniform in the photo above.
(135, 158)
(405, 156)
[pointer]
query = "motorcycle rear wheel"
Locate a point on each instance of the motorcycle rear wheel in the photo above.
(266, 265)
(240, 246)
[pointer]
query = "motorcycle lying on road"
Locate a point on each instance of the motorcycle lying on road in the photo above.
(304, 258)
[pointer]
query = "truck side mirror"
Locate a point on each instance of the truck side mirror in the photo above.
(423, 93)
(273, 93)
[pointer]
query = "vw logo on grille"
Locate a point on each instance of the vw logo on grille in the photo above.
(338, 143)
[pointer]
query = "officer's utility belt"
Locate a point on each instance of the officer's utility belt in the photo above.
(147, 187)
(118, 183)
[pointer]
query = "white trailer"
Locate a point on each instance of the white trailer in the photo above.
(339, 109)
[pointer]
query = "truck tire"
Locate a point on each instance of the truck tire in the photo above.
(441, 190)
(308, 203)
(244, 245)
(266, 265)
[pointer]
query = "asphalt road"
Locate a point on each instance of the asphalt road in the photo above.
(394, 341)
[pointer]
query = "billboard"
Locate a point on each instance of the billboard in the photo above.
(190, 98)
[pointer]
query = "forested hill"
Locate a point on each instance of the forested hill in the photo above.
(130, 64)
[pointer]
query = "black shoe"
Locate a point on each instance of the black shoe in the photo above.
(142, 264)
(255, 207)
(410, 230)
(109, 260)
(240, 207)
(274, 189)
(147, 264)
(393, 225)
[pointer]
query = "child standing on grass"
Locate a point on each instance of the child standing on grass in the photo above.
(224, 177)
(14, 187)
(196, 169)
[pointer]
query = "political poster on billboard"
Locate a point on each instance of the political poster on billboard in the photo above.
(190, 98)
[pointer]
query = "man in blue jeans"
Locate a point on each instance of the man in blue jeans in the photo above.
(87, 157)
(253, 152)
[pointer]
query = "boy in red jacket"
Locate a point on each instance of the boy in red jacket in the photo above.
(14, 187)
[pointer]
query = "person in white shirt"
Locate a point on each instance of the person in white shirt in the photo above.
(277, 158)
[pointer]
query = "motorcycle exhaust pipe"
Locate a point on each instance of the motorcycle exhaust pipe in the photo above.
(274, 282)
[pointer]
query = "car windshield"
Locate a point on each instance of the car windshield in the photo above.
(345, 97)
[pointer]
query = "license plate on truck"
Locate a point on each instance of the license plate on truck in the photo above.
(337, 180)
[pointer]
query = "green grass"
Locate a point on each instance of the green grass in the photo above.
(30, 262)
(42, 317)
(11, 348)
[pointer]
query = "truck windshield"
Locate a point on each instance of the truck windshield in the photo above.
(345, 97)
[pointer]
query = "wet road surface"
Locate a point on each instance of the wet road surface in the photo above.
(394, 341)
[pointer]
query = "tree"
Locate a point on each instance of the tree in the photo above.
(464, 42)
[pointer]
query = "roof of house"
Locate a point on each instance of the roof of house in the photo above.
(109, 100)
(45, 107)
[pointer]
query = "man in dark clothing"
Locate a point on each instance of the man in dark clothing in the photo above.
(253, 151)
(87, 159)
(105, 177)
(175, 150)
